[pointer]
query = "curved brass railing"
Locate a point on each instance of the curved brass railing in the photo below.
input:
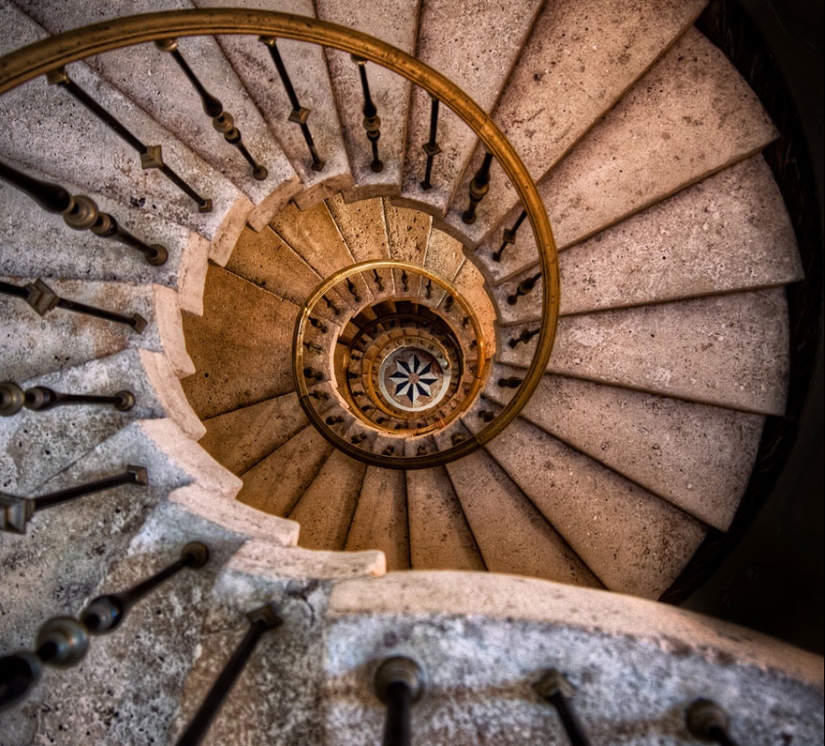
(44, 56)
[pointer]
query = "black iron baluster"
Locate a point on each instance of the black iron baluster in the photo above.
(331, 306)
(478, 188)
(80, 212)
(261, 620)
(405, 280)
(509, 236)
(299, 114)
(399, 683)
(319, 395)
(378, 281)
(431, 147)
(511, 382)
(222, 121)
(43, 299)
(448, 303)
(16, 512)
(486, 415)
(334, 420)
(525, 336)
(353, 290)
(151, 156)
(312, 373)
(524, 287)
(556, 690)
(429, 287)
(312, 347)
(358, 438)
(707, 720)
(372, 122)
(318, 324)
(40, 398)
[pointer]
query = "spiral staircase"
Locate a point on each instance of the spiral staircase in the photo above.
(342, 372)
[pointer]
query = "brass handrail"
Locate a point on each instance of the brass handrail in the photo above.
(41, 57)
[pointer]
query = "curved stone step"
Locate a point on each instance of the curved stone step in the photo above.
(362, 226)
(444, 256)
(408, 232)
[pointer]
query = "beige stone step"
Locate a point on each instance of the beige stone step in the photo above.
(243, 438)
(695, 456)
(278, 482)
(470, 282)
(362, 225)
(326, 509)
(380, 520)
(512, 535)
(579, 60)
(633, 541)
(440, 537)
(475, 45)
(444, 256)
(408, 232)
(396, 24)
(236, 364)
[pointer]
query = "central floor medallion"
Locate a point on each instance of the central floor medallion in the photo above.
(413, 378)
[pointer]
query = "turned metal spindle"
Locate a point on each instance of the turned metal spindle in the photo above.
(312, 347)
(353, 290)
(372, 122)
(479, 186)
(43, 299)
(428, 288)
(40, 398)
(358, 438)
(399, 683)
(431, 147)
(388, 451)
(299, 114)
(557, 691)
(334, 420)
(16, 512)
(405, 280)
(448, 303)
(457, 438)
(319, 395)
(509, 236)
(378, 281)
(80, 213)
(151, 156)
(222, 121)
(524, 287)
(525, 336)
(318, 324)
(511, 382)
(313, 374)
(487, 415)
(261, 620)
(331, 306)
(707, 720)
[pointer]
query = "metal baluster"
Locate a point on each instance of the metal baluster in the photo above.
(312, 347)
(353, 290)
(399, 683)
(429, 287)
(80, 212)
(525, 336)
(431, 147)
(358, 438)
(151, 156)
(331, 306)
(372, 122)
(222, 120)
(299, 114)
(40, 398)
(486, 415)
(448, 303)
(509, 236)
(707, 720)
(524, 287)
(318, 324)
(312, 373)
(479, 186)
(43, 299)
(319, 395)
(16, 512)
(334, 420)
(511, 382)
(261, 620)
(378, 281)
(556, 690)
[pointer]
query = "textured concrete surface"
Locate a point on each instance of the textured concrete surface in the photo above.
(237, 365)
(408, 232)
(362, 225)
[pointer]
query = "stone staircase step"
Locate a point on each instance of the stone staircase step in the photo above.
(440, 536)
(512, 535)
(578, 62)
(237, 366)
(380, 520)
(363, 227)
(475, 45)
(471, 284)
(326, 509)
(241, 439)
(633, 541)
(444, 256)
(396, 24)
(408, 232)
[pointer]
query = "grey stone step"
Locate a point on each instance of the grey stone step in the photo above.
(380, 520)
(363, 227)
(697, 457)
(172, 101)
(579, 60)
(512, 535)
(396, 24)
(307, 69)
(633, 541)
(50, 124)
(326, 509)
(475, 45)
(440, 537)
(243, 438)
(237, 365)
(31, 342)
(37, 445)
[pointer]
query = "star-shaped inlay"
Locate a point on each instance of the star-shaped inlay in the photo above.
(413, 378)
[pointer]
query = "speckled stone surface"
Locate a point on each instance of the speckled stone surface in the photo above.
(633, 541)
(236, 364)
(444, 255)
(380, 520)
(475, 44)
(528, 306)
(362, 225)
(408, 232)
(579, 60)
(470, 283)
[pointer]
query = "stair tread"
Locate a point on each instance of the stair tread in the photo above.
(380, 520)
(362, 225)
(237, 365)
(470, 283)
(512, 535)
(241, 439)
(440, 538)
(444, 256)
(408, 232)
